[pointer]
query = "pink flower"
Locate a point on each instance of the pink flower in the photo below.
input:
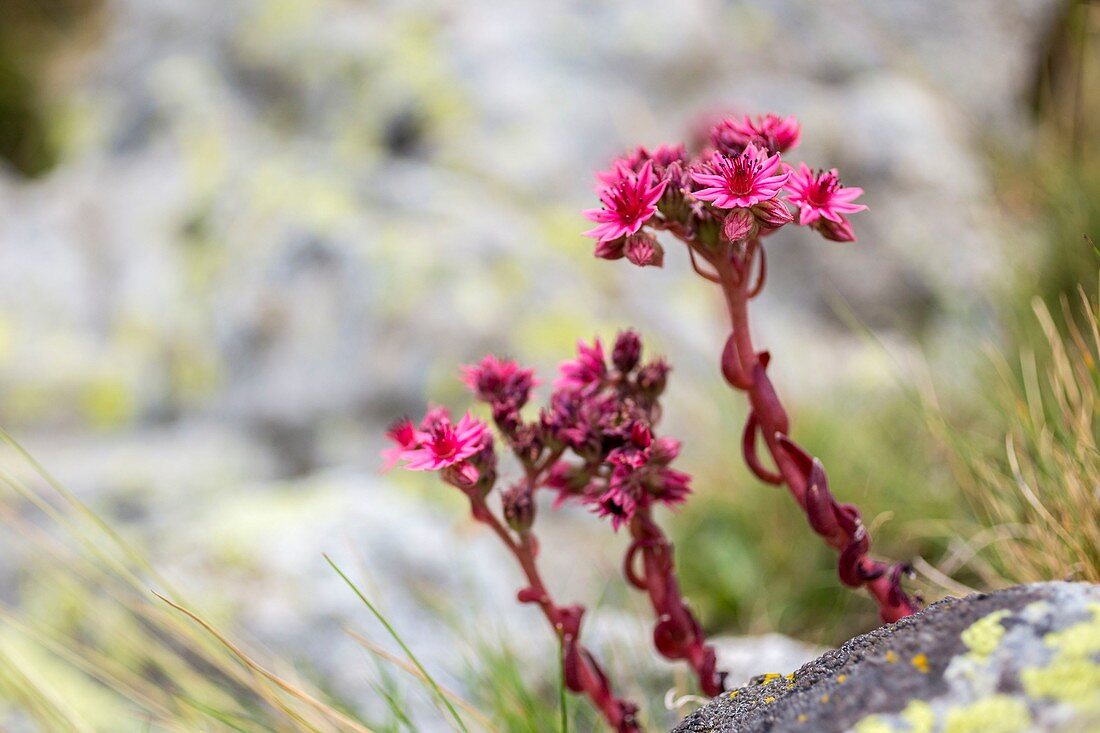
(662, 157)
(435, 415)
(587, 369)
(618, 503)
(742, 181)
(403, 435)
(671, 487)
(769, 131)
(499, 381)
(821, 196)
(664, 451)
(446, 444)
(628, 203)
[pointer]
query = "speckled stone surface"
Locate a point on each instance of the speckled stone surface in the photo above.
(1017, 660)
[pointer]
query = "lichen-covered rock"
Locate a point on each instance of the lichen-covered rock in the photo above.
(1017, 660)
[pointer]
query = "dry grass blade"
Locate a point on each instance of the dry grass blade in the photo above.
(412, 670)
(295, 692)
(1045, 485)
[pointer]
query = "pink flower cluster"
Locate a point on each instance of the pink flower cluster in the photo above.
(604, 415)
(735, 188)
(593, 443)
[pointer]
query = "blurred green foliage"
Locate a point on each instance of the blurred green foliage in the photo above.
(751, 563)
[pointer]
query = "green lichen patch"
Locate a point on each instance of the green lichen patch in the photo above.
(1073, 675)
(984, 636)
(996, 714)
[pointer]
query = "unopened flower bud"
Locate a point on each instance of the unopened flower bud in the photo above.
(834, 231)
(644, 250)
(519, 507)
(611, 249)
(664, 450)
(462, 475)
(653, 377)
(738, 224)
(506, 416)
(627, 351)
(772, 214)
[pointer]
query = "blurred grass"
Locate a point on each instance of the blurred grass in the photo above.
(88, 646)
(1041, 489)
(95, 639)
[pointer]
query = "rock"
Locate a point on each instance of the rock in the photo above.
(1022, 659)
(742, 657)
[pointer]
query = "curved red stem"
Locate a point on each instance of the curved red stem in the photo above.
(804, 476)
(748, 448)
(677, 634)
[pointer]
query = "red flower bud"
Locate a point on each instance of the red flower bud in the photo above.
(772, 214)
(836, 231)
(519, 507)
(644, 250)
(738, 224)
(627, 351)
(611, 249)
(653, 377)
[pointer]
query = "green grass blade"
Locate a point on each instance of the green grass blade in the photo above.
(404, 647)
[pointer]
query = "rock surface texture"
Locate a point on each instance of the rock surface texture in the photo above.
(1022, 659)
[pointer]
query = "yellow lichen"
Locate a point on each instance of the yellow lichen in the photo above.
(874, 724)
(824, 698)
(1072, 676)
(802, 718)
(841, 679)
(917, 716)
(769, 699)
(789, 677)
(734, 694)
(984, 635)
(996, 714)
(921, 663)
(920, 717)
(891, 656)
(770, 677)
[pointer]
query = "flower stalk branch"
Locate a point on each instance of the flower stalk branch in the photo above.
(722, 203)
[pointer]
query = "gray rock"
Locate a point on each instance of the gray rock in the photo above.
(1022, 659)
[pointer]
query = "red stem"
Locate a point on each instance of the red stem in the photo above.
(804, 477)
(583, 673)
(677, 634)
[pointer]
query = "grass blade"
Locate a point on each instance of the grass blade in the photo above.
(404, 647)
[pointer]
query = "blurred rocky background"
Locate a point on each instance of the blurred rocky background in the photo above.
(237, 239)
